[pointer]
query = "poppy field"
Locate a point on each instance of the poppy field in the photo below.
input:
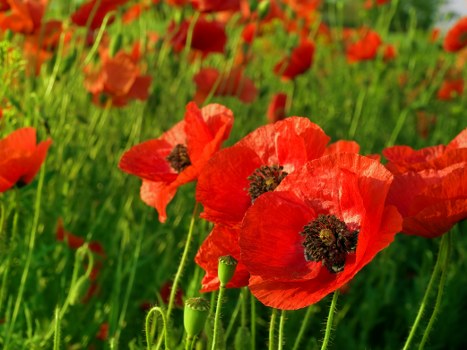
(202, 174)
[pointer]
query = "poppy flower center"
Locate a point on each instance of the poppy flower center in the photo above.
(265, 179)
(328, 239)
(179, 158)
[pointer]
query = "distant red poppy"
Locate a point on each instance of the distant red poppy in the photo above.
(207, 37)
(103, 333)
(430, 186)
(179, 155)
(165, 294)
(134, 12)
(298, 62)
(238, 175)
(221, 241)
(456, 37)
(365, 48)
(119, 78)
(21, 158)
(389, 53)
(216, 5)
(434, 35)
(23, 16)
(74, 242)
(83, 14)
(303, 8)
(232, 83)
(371, 3)
(322, 225)
(276, 108)
(450, 88)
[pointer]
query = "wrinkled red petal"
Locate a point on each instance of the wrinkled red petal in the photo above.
(158, 195)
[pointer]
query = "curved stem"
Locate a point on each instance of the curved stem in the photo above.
(447, 251)
(332, 310)
(217, 316)
(181, 266)
(421, 310)
(301, 332)
(148, 325)
(281, 340)
(272, 325)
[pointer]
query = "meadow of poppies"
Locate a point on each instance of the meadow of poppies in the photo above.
(203, 174)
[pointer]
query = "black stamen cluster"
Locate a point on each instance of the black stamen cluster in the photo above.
(264, 179)
(328, 239)
(179, 158)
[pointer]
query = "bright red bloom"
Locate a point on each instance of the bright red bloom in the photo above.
(232, 83)
(81, 16)
(221, 241)
(216, 5)
(365, 48)
(276, 108)
(237, 175)
(179, 155)
(299, 62)
(430, 186)
(119, 78)
(208, 36)
(74, 241)
(21, 158)
(311, 236)
(456, 37)
(450, 88)
(24, 16)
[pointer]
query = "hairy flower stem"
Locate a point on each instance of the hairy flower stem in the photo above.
(181, 266)
(444, 268)
(332, 310)
(423, 304)
(149, 316)
(302, 330)
(272, 325)
(281, 339)
(217, 316)
(253, 321)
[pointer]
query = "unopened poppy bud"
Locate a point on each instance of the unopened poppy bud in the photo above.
(263, 9)
(116, 44)
(226, 269)
(8, 35)
(195, 315)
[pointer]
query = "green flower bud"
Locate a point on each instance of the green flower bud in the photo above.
(226, 269)
(263, 8)
(195, 315)
(116, 44)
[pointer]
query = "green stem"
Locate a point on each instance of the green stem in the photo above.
(253, 322)
(244, 304)
(428, 290)
(233, 318)
(32, 242)
(281, 340)
(189, 340)
(301, 332)
(57, 329)
(217, 316)
(332, 310)
(181, 266)
(444, 269)
(272, 325)
(148, 326)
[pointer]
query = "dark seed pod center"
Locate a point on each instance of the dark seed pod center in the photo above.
(179, 158)
(265, 179)
(328, 239)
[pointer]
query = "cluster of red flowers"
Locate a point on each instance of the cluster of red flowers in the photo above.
(300, 216)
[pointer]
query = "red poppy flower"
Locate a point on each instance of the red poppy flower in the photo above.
(389, 53)
(103, 333)
(165, 294)
(303, 8)
(434, 35)
(365, 48)
(134, 12)
(207, 37)
(232, 83)
(21, 158)
(179, 155)
(456, 37)
(216, 5)
(74, 241)
(430, 186)
(81, 16)
(450, 88)
(276, 108)
(324, 223)
(119, 78)
(24, 16)
(237, 175)
(221, 241)
(299, 62)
